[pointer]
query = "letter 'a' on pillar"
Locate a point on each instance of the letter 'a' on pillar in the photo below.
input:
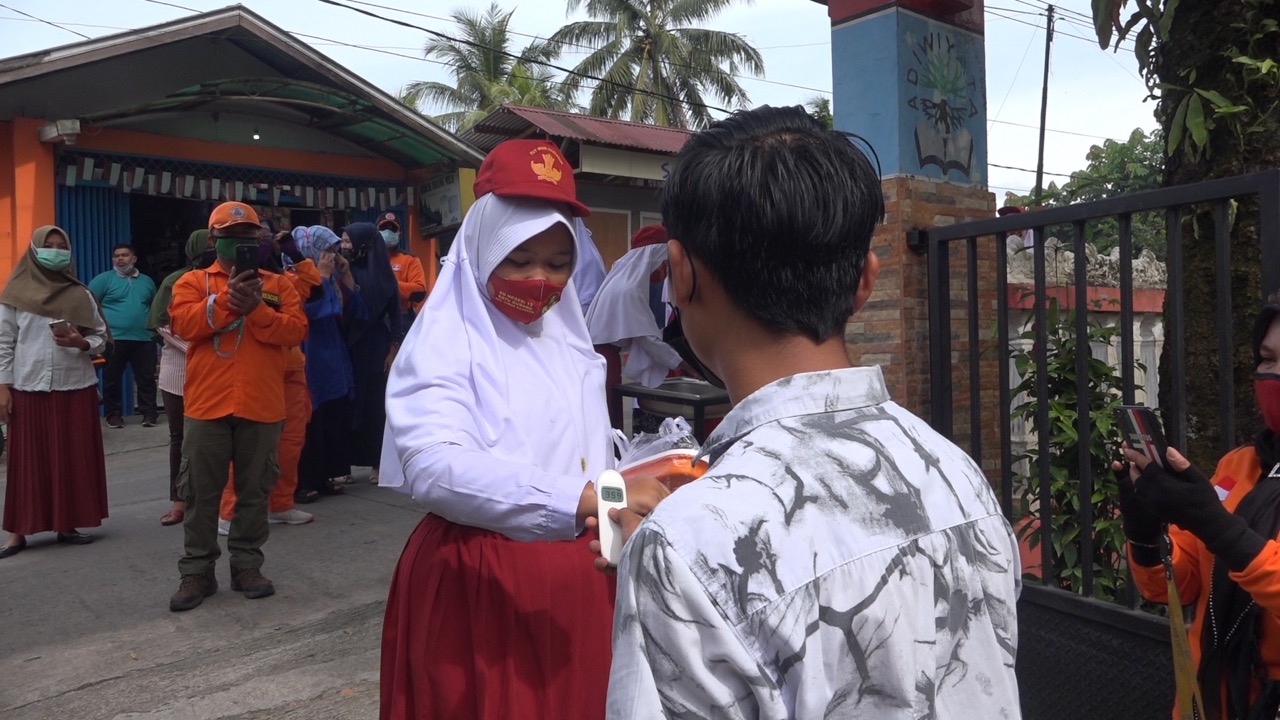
(910, 77)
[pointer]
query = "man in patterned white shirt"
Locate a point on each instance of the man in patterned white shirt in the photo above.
(840, 559)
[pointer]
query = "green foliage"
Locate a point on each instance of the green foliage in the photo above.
(1103, 385)
(485, 76)
(657, 66)
(820, 108)
(1241, 104)
(1114, 168)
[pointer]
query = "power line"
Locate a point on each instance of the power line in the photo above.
(180, 7)
(72, 24)
(588, 48)
(513, 56)
(46, 22)
(1037, 127)
(1026, 170)
(1017, 72)
(1042, 6)
(1093, 42)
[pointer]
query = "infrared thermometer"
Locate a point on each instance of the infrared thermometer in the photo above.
(611, 492)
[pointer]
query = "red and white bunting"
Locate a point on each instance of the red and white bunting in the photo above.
(275, 195)
(166, 182)
(71, 174)
(351, 198)
(409, 196)
(329, 197)
(150, 184)
(86, 168)
(113, 177)
(135, 177)
(215, 189)
(188, 185)
(392, 196)
(239, 191)
(204, 190)
(382, 200)
(311, 197)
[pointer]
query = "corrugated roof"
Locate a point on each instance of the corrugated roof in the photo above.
(511, 121)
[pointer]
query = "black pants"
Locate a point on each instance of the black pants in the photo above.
(141, 356)
(327, 452)
(173, 413)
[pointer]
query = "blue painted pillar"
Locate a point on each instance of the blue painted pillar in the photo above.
(910, 77)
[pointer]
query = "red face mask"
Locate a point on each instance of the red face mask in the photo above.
(1266, 388)
(524, 300)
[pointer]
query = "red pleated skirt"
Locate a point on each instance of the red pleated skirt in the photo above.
(57, 473)
(482, 627)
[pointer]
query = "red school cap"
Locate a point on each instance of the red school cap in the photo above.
(649, 235)
(529, 169)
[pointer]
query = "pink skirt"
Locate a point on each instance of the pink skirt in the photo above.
(479, 626)
(57, 473)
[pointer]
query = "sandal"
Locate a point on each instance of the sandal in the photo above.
(332, 489)
(341, 480)
(306, 498)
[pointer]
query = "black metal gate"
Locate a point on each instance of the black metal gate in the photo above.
(1079, 657)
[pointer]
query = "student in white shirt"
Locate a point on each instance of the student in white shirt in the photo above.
(839, 559)
(50, 327)
(496, 424)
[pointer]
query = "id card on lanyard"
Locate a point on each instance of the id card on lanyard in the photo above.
(1188, 701)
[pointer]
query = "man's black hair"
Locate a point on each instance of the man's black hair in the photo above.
(122, 246)
(781, 211)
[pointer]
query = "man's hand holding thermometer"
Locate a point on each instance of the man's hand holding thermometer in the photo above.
(620, 506)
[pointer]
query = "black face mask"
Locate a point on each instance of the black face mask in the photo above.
(673, 335)
(354, 255)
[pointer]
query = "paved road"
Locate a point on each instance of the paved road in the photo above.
(85, 631)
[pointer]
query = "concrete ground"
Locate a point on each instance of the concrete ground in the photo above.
(86, 632)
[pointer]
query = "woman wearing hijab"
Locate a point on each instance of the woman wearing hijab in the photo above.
(621, 320)
(173, 364)
(326, 453)
(372, 341)
(50, 327)
(497, 426)
(1222, 538)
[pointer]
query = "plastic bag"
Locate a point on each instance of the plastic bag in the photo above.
(669, 455)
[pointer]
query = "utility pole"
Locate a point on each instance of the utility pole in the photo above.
(1044, 109)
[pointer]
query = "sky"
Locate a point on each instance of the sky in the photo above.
(1093, 94)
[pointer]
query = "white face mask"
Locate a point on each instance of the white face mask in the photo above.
(391, 238)
(127, 270)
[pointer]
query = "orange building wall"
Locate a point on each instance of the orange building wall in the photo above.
(27, 172)
(26, 188)
(138, 143)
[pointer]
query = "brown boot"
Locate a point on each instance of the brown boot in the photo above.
(193, 590)
(251, 582)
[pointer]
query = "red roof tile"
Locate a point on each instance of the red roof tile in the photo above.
(498, 126)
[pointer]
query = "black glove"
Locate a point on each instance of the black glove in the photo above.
(1141, 526)
(1188, 500)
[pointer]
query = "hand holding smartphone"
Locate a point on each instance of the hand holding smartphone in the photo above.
(247, 259)
(60, 327)
(1142, 432)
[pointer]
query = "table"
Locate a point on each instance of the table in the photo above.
(699, 402)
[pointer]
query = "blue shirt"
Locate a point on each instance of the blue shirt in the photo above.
(329, 375)
(126, 302)
(840, 558)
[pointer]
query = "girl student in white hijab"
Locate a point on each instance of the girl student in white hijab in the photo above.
(496, 424)
(621, 316)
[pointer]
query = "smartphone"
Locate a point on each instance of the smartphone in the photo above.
(60, 326)
(247, 259)
(1141, 430)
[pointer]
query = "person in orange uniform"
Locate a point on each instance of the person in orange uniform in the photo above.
(240, 325)
(280, 254)
(408, 268)
(1222, 539)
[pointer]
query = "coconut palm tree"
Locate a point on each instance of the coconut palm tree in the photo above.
(655, 66)
(487, 71)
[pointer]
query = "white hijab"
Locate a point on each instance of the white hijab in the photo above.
(588, 270)
(621, 314)
(468, 375)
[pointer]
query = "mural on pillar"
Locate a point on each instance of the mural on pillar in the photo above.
(944, 90)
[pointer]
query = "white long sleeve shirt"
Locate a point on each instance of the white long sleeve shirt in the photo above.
(840, 559)
(30, 361)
